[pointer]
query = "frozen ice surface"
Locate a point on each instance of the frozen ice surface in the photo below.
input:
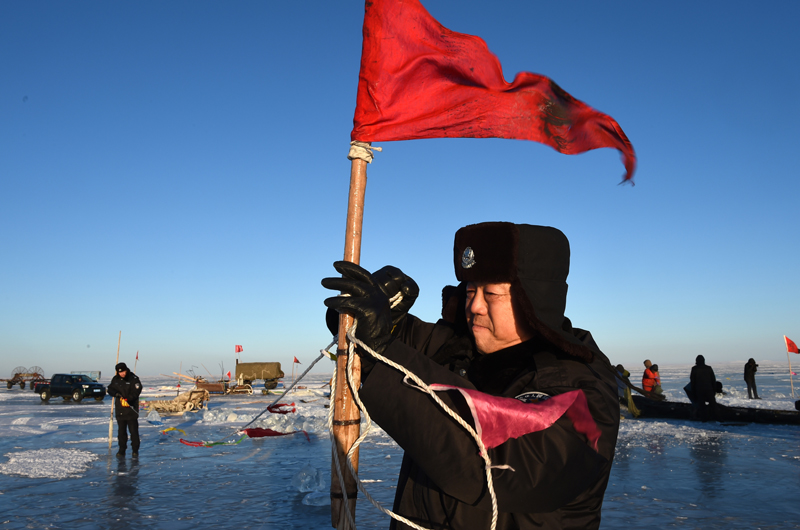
(48, 463)
(317, 498)
(672, 474)
(308, 479)
(154, 417)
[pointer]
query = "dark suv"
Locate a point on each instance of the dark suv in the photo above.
(71, 387)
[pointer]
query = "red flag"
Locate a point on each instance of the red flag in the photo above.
(137, 355)
(239, 348)
(791, 347)
(298, 362)
(228, 374)
(258, 432)
(282, 408)
(418, 79)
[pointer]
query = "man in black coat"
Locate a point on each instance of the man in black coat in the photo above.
(750, 370)
(704, 385)
(514, 342)
(125, 388)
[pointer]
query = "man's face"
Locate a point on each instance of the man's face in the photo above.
(492, 317)
(122, 373)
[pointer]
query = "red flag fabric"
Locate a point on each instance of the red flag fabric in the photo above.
(137, 355)
(258, 432)
(298, 362)
(791, 347)
(418, 79)
(282, 408)
(498, 419)
(228, 374)
(239, 349)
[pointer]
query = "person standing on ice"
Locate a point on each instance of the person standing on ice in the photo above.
(518, 345)
(750, 370)
(125, 388)
(704, 389)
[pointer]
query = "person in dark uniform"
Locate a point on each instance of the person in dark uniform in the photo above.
(750, 370)
(704, 389)
(516, 347)
(125, 388)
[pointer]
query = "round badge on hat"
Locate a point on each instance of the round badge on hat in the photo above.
(468, 258)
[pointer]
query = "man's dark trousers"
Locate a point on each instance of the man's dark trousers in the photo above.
(124, 425)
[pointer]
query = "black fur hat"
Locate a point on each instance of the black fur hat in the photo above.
(535, 260)
(121, 366)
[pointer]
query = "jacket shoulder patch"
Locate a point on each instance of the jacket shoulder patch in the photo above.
(532, 397)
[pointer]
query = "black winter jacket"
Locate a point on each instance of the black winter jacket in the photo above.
(129, 388)
(703, 383)
(557, 481)
(750, 370)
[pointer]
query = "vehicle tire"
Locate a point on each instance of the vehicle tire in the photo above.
(22, 385)
(77, 396)
(99, 398)
(9, 385)
(45, 394)
(270, 384)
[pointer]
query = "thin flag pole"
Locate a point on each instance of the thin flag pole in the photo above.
(346, 416)
(789, 349)
(111, 418)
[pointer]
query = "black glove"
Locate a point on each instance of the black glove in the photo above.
(367, 303)
(392, 280)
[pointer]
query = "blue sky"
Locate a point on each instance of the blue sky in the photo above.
(177, 171)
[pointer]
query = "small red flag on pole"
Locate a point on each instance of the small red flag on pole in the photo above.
(239, 349)
(791, 347)
(298, 362)
(228, 374)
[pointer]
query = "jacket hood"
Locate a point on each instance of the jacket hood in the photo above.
(535, 260)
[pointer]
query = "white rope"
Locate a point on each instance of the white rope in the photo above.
(362, 151)
(419, 385)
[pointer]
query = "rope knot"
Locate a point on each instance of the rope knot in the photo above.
(362, 151)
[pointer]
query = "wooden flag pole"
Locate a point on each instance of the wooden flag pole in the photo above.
(346, 417)
(791, 378)
(111, 418)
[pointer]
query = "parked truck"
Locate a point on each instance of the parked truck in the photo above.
(246, 373)
(73, 387)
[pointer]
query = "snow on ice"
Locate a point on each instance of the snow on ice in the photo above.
(56, 470)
